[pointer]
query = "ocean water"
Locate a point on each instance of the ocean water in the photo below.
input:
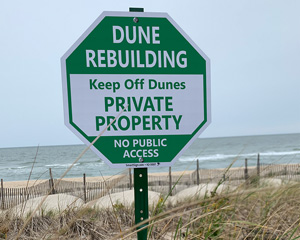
(16, 163)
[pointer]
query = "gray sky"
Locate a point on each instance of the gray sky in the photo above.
(254, 47)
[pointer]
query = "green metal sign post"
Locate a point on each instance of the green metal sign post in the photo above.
(141, 199)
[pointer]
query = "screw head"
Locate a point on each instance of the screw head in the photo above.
(135, 19)
(141, 159)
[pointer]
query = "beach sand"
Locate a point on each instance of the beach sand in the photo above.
(22, 184)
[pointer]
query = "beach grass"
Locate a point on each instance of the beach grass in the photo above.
(252, 211)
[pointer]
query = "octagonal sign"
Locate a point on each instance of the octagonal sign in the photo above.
(143, 75)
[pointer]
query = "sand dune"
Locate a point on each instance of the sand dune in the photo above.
(56, 203)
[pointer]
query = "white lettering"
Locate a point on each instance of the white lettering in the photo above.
(131, 41)
(111, 58)
(184, 60)
(155, 35)
(100, 58)
(115, 40)
(148, 64)
(90, 55)
(146, 36)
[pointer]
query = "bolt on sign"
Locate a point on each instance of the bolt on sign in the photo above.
(145, 65)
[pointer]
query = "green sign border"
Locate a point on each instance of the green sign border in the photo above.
(101, 141)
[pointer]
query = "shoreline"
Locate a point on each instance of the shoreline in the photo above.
(215, 172)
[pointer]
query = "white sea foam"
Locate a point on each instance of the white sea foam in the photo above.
(61, 165)
(231, 156)
(21, 167)
(280, 153)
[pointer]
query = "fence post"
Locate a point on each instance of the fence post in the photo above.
(258, 165)
(2, 194)
(285, 170)
(130, 179)
(198, 177)
(51, 182)
(84, 188)
(246, 170)
(170, 181)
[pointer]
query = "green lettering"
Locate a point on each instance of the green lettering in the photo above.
(156, 122)
(177, 120)
(100, 121)
(136, 120)
(92, 84)
(137, 106)
(182, 85)
(146, 121)
(152, 86)
(148, 104)
(108, 102)
(166, 117)
(158, 99)
(111, 119)
(120, 103)
(127, 123)
(169, 104)
(101, 85)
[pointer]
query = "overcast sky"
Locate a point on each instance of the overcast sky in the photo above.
(254, 47)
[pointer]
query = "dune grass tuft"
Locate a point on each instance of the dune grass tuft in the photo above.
(250, 212)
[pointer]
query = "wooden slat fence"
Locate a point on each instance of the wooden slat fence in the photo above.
(10, 197)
